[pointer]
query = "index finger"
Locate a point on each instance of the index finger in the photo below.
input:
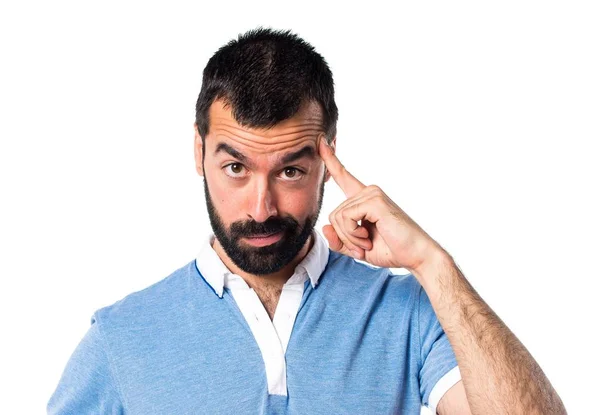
(349, 184)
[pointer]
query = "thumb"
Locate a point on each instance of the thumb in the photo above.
(334, 241)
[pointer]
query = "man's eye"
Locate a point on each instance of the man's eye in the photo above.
(234, 169)
(292, 173)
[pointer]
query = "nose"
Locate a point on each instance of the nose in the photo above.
(262, 203)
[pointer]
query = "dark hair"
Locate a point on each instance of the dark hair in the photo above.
(264, 77)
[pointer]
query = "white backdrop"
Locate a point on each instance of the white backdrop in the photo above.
(480, 120)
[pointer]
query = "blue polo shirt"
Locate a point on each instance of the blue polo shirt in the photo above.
(365, 341)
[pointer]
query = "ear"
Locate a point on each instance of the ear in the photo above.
(332, 145)
(198, 150)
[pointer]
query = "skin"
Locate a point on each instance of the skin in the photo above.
(262, 188)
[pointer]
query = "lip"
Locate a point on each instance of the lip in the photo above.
(264, 241)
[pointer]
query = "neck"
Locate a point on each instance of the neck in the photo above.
(276, 279)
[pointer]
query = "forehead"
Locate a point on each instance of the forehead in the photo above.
(300, 130)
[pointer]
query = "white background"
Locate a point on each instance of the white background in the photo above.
(480, 120)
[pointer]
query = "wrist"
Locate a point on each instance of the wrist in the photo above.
(438, 265)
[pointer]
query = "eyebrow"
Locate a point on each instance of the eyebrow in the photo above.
(306, 151)
(231, 151)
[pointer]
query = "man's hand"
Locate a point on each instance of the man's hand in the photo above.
(370, 226)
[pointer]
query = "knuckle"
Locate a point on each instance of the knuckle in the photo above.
(374, 188)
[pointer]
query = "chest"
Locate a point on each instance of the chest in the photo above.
(332, 364)
(269, 298)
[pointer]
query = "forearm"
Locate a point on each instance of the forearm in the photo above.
(498, 373)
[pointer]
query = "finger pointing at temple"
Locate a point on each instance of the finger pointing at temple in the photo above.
(349, 184)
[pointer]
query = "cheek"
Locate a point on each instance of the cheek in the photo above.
(223, 198)
(299, 202)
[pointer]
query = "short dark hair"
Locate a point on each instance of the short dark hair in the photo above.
(264, 77)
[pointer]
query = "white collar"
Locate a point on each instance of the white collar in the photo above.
(214, 271)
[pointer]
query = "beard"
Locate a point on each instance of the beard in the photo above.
(265, 259)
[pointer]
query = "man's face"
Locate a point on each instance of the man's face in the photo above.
(263, 188)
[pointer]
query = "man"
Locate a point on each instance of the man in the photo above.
(267, 319)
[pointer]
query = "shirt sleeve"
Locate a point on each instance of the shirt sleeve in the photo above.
(439, 369)
(87, 385)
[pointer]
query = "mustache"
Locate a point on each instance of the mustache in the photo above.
(268, 227)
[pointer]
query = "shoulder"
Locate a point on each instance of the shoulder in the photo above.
(91, 377)
(140, 307)
(343, 271)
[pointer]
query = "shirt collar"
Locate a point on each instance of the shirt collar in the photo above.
(214, 271)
